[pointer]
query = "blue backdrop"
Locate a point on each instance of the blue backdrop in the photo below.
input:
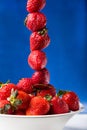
(67, 53)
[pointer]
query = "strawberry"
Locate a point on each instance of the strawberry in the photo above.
(39, 40)
(5, 107)
(35, 5)
(19, 100)
(48, 90)
(38, 106)
(41, 77)
(25, 84)
(58, 106)
(72, 100)
(37, 60)
(5, 90)
(35, 21)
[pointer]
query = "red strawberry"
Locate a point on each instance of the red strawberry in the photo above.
(48, 90)
(58, 106)
(5, 107)
(35, 21)
(19, 100)
(35, 5)
(37, 60)
(41, 77)
(25, 84)
(5, 90)
(38, 106)
(72, 100)
(39, 40)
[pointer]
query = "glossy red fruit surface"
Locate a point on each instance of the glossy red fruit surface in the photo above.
(5, 90)
(35, 21)
(5, 107)
(37, 60)
(48, 90)
(72, 100)
(39, 41)
(58, 106)
(25, 84)
(38, 106)
(35, 5)
(41, 77)
(19, 100)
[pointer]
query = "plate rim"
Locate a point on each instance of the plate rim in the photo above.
(45, 116)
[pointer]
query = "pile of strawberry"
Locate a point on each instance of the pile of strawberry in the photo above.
(42, 99)
(35, 95)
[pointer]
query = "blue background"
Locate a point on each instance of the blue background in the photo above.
(67, 53)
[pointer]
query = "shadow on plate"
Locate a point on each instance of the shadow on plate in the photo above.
(70, 128)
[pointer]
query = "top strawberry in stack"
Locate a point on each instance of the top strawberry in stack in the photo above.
(39, 39)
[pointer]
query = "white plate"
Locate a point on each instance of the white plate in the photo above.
(43, 122)
(77, 122)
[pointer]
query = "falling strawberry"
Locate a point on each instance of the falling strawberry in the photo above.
(58, 106)
(5, 107)
(38, 106)
(35, 5)
(41, 77)
(25, 84)
(19, 100)
(35, 21)
(72, 100)
(39, 40)
(37, 60)
(5, 90)
(48, 90)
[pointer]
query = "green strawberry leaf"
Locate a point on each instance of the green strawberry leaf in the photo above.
(17, 102)
(48, 97)
(61, 92)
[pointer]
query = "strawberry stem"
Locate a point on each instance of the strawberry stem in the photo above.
(13, 99)
(25, 21)
(61, 92)
(43, 31)
(48, 97)
(2, 84)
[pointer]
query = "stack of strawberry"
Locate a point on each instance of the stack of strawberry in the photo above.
(35, 96)
(39, 39)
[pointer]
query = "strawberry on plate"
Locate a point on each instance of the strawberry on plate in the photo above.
(35, 21)
(37, 60)
(48, 90)
(41, 77)
(39, 40)
(5, 90)
(58, 106)
(5, 107)
(72, 100)
(25, 84)
(38, 106)
(19, 100)
(35, 5)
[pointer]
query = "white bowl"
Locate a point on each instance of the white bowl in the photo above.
(43, 122)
